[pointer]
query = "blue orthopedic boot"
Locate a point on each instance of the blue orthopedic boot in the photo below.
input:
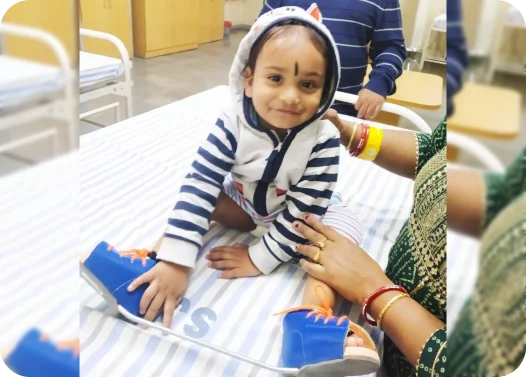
(314, 339)
(112, 272)
(36, 356)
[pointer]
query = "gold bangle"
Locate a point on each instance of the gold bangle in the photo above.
(355, 126)
(387, 307)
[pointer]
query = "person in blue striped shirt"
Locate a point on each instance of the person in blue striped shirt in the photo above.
(269, 159)
(355, 25)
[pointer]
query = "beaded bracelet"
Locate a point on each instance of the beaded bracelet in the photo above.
(373, 296)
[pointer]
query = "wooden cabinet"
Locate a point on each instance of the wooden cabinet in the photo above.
(58, 17)
(163, 27)
(109, 16)
(211, 17)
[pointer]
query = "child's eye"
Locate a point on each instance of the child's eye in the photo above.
(308, 85)
(275, 78)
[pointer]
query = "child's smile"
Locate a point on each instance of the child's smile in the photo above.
(288, 82)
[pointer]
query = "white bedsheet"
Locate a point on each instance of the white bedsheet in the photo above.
(24, 81)
(95, 69)
(130, 176)
(39, 236)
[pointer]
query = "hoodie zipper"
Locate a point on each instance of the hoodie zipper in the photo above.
(277, 142)
(260, 194)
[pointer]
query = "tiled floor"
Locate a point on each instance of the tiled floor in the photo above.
(163, 80)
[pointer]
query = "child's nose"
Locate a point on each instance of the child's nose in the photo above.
(290, 96)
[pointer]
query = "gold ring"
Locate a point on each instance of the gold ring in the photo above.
(321, 244)
(316, 257)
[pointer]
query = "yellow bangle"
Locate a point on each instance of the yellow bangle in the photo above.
(355, 126)
(374, 141)
(387, 307)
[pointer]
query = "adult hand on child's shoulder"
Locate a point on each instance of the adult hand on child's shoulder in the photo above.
(369, 104)
(234, 260)
(168, 283)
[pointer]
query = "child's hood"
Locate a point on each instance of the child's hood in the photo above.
(311, 17)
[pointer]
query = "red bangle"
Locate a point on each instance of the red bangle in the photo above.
(363, 141)
(362, 147)
(373, 296)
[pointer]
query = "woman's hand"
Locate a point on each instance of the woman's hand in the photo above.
(343, 265)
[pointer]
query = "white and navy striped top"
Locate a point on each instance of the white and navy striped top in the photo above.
(354, 24)
(278, 178)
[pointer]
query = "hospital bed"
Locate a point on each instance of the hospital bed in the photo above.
(100, 76)
(30, 91)
(437, 29)
(130, 177)
(39, 236)
(509, 54)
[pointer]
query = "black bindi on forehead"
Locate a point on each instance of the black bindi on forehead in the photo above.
(296, 69)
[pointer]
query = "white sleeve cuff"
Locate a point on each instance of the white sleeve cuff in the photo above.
(177, 251)
(262, 258)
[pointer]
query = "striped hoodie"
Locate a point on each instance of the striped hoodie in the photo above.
(281, 178)
(354, 24)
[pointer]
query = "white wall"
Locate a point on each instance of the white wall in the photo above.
(242, 12)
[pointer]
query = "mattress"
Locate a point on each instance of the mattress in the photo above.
(24, 81)
(96, 69)
(39, 235)
(130, 176)
(440, 22)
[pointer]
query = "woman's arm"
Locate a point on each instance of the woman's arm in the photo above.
(475, 198)
(465, 201)
(349, 270)
(407, 323)
(398, 150)
(401, 152)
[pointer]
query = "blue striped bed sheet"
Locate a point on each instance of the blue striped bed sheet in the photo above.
(39, 236)
(95, 69)
(23, 81)
(130, 175)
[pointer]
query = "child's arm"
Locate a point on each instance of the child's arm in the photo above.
(188, 223)
(189, 220)
(310, 195)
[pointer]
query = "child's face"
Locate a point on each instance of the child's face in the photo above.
(287, 85)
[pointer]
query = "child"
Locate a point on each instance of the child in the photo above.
(269, 160)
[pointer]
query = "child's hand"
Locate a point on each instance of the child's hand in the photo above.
(235, 260)
(168, 283)
(369, 104)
